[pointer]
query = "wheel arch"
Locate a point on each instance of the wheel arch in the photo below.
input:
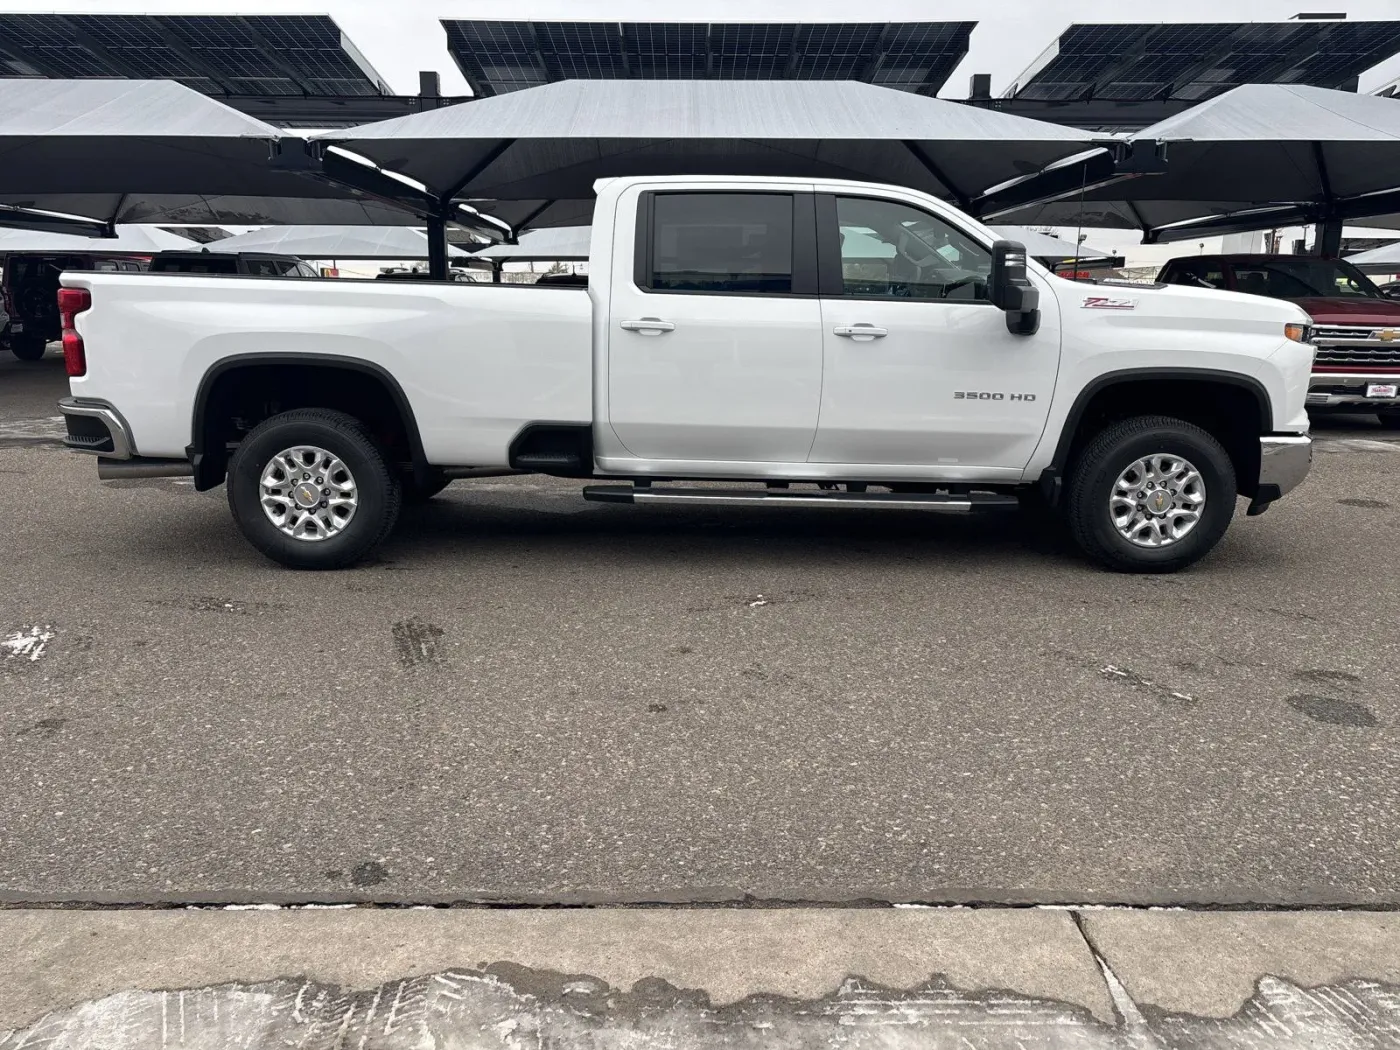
(210, 456)
(1234, 407)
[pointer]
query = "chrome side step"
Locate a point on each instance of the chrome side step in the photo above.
(960, 504)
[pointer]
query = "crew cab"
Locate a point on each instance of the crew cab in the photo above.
(1356, 326)
(729, 333)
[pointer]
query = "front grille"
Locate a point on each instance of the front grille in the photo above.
(1355, 333)
(1371, 355)
(1363, 347)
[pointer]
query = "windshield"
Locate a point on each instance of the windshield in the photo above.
(1296, 277)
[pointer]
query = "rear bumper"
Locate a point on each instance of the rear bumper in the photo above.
(97, 428)
(1339, 389)
(1284, 461)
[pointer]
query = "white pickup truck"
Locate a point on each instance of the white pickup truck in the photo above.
(807, 342)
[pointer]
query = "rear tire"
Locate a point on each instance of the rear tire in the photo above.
(28, 347)
(1390, 418)
(363, 496)
(1106, 487)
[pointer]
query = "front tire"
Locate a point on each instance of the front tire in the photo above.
(28, 347)
(1151, 495)
(1390, 418)
(312, 489)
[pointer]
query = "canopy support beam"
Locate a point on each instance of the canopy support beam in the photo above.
(46, 222)
(926, 162)
(437, 248)
(524, 223)
(492, 155)
(1137, 214)
(1328, 244)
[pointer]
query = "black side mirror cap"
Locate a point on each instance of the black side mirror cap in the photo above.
(1011, 290)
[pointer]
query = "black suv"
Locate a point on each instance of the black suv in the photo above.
(30, 290)
(246, 264)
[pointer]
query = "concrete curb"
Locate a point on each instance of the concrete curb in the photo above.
(993, 979)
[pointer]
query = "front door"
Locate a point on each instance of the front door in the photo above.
(920, 369)
(714, 334)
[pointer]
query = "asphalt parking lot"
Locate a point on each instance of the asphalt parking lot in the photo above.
(531, 698)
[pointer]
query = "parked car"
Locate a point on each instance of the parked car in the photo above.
(29, 291)
(715, 343)
(1356, 327)
(247, 264)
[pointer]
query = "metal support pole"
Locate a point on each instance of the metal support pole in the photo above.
(496, 267)
(437, 248)
(1329, 238)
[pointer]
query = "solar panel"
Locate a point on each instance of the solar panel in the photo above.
(1195, 61)
(497, 56)
(223, 55)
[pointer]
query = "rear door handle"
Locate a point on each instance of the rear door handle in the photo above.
(861, 331)
(648, 324)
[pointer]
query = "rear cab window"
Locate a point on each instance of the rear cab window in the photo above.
(724, 243)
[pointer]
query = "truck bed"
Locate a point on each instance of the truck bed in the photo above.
(475, 361)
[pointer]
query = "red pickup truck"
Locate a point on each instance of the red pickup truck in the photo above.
(1356, 327)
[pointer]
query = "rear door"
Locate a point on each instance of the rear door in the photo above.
(714, 333)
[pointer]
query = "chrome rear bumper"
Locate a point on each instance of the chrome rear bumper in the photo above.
(86, 436)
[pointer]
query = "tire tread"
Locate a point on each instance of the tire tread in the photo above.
(1081, 513)
(379, 464)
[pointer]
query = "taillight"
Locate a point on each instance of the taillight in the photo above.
(72, 302)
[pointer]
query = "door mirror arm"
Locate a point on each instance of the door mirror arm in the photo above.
(1010, 289)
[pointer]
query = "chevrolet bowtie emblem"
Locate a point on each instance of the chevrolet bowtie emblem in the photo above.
(1388, 335)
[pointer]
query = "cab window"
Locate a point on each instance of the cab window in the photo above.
(891, 250)
(735, 243)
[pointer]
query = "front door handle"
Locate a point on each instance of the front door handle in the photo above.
(648, 325)
(861, 332)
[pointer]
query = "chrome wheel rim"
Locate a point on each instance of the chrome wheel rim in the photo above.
(1158, 500)
(308, 493)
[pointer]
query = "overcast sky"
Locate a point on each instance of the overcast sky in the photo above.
(400, 37)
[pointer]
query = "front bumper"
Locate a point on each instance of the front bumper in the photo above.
(97, 428)
(1284, 461)
(1340, 389)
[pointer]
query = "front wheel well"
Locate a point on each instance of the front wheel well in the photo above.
(1234, 413)
(236, 396)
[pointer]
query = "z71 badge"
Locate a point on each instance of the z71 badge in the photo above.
(1108, 302)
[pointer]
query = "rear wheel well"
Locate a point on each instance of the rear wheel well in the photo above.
(1233, 414)
(235, 398)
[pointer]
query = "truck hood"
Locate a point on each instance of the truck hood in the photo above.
(1351, 311)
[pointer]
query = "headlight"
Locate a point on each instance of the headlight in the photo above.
(1299, 333)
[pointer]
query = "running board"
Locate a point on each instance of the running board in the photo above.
(785, 498)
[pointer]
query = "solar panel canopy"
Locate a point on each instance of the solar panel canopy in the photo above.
(1195, 61)
(498, 56)
(220, 55)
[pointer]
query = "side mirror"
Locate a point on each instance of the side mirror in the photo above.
(1391, 293)
(1011, 290)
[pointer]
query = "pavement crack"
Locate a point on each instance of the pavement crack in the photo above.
(1125, 1009)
